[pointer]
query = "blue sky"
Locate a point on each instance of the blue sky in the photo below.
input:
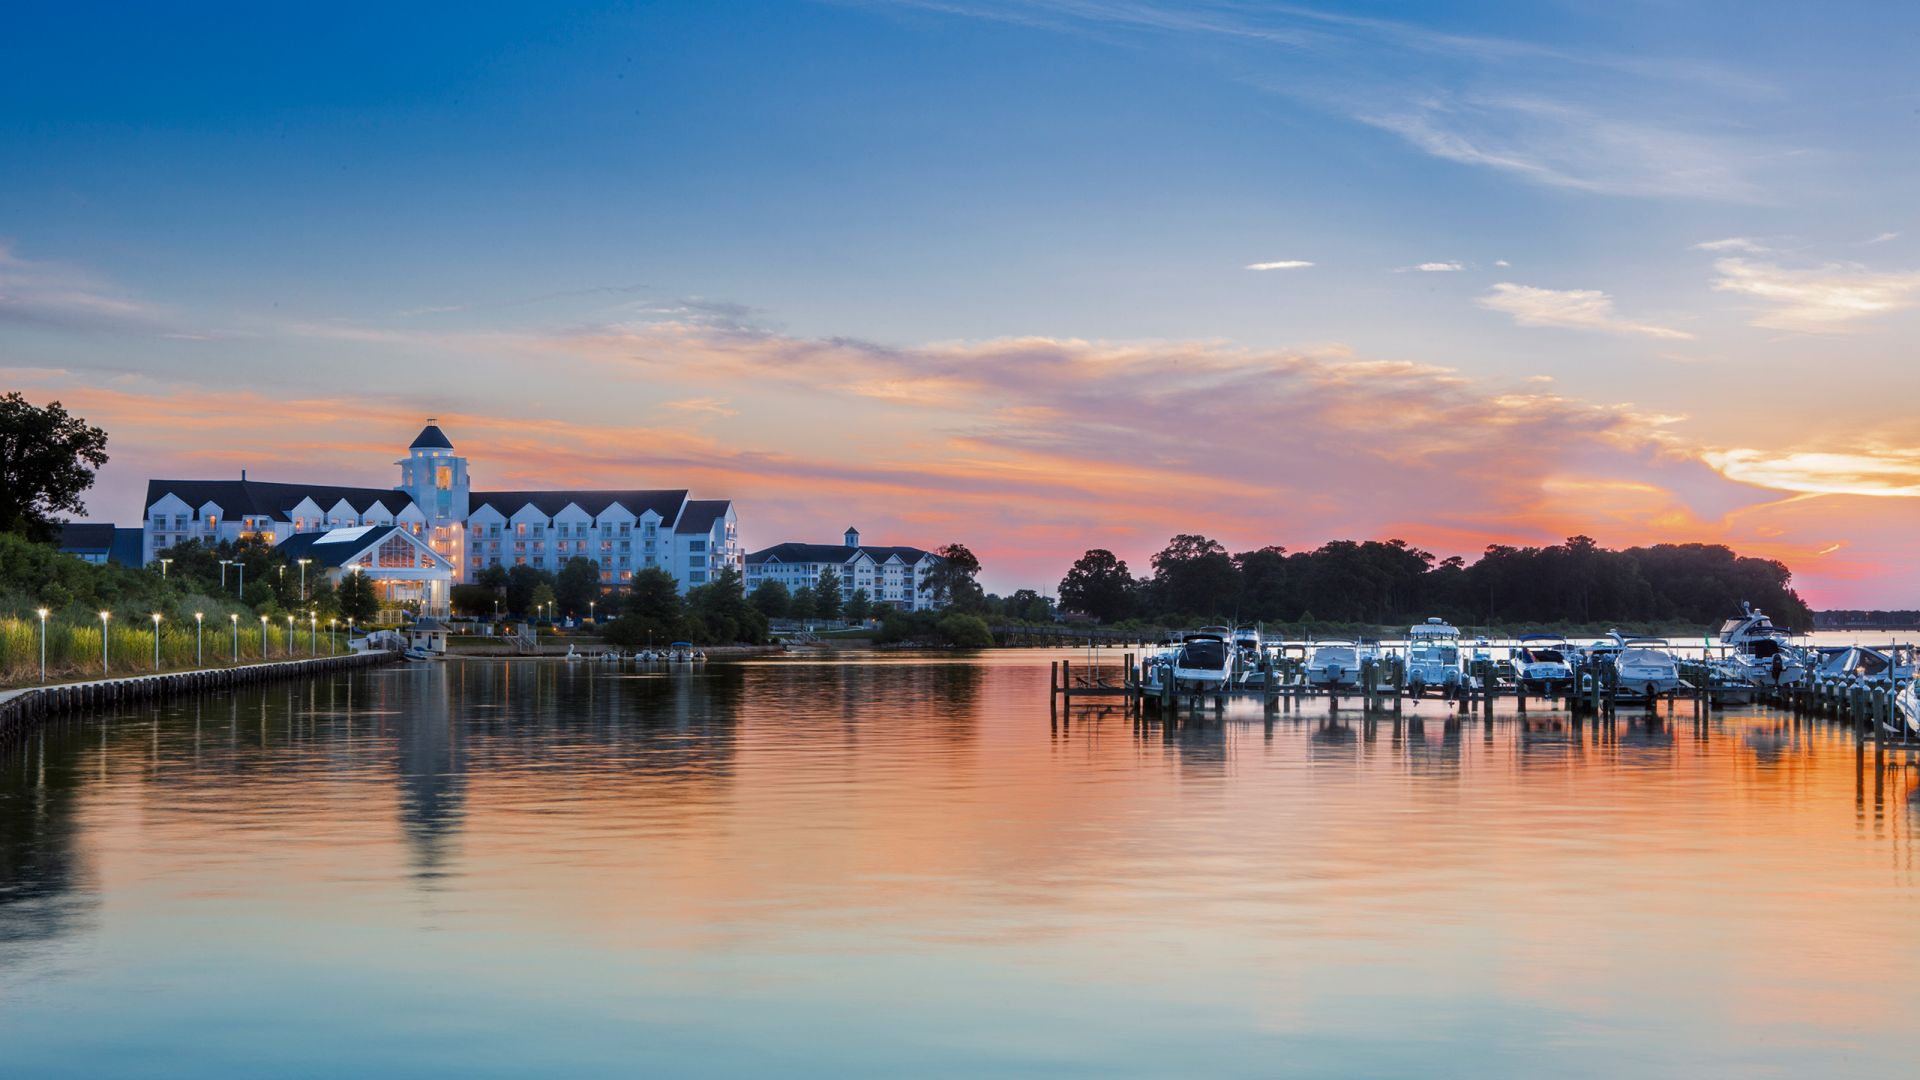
(406, 203)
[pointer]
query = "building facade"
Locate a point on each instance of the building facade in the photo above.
(891, 575)
(621, 531)
(405, 572)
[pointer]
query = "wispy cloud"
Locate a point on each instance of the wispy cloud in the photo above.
(1576, 309)
(1732, 243)
(1571, 146)
(1283, 264)
(1818, 299)
(1430, 268)
(55, 295)
(1573, 117)
(1879, 472)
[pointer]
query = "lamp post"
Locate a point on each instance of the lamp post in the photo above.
(242, 594)
(164, 563)
(303, 578)
(590, 606)
(349, 633)
(289, 641)
(235, 621)
(104, 616)
(313, 633)
(263, 637)
(333, 640)
(224, 563)
(199, 638)
(42, 612)
(156, 641)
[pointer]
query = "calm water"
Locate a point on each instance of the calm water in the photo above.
(899, 865)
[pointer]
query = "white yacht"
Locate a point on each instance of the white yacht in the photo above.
(1433, 656)
(1336, 664)
(1250, 649)
(1906, 707)
(1204, 661)
(1867, 665)
(1540, 663)
(1643, 667)
(1763, 652)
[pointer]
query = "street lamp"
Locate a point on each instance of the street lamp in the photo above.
(235, 620)
(43, 643)
(156, 641)
(303, 578)
(289, 641)
(224, 563)
(313, 633)
(199, 638)
(333, 640)
(590, 606)
(263, 637)
(164, 563)
(104, 616)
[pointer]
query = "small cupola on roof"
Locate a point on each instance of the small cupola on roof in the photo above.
(431, 438)
(853, 537)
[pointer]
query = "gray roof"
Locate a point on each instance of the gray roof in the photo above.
(335, 547)
(83, 536)
(664, 503)
(793, 552)
(700, 515)
(431, 438)
(258, 498)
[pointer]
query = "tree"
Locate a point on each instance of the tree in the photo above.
(492, 577)
(802, 605)
(772, 599)
(1193, 575)
(950, 581)
(357, 599)
(576, 586)
(1029, 606)
(654, 613)
(47, 459)
(859, 606)
(1098, 584)
(826, 595)
(543, 600)
(521, 583)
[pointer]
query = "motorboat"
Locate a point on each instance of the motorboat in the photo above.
(1433, 656)
(1250, 654)
(1643, 667)
(1906, 707)
(1764, 653)
(1540, 663)
(1336, 665)
(1866, 664)
(1204, 661)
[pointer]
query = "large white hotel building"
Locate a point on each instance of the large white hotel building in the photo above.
(621, 531)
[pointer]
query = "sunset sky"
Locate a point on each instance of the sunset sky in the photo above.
(1035, 275)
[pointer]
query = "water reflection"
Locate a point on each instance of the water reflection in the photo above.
(908, 864)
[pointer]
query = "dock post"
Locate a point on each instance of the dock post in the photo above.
(1053, 678)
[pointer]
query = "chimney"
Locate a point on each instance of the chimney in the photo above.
(853, 537)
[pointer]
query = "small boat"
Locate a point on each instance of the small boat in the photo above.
(416, 653)
(681, 652)
(1433, 657)
(1644, 668)
(1906, 708)
(1764, 653)
(1204, 661)
(1867, 665)
(1540, 664)
(1336, 665)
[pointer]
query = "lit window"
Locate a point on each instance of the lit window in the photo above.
(443, 477)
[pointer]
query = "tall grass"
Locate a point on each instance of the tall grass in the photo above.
(73, 648)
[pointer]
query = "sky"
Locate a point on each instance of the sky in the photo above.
(1032, 275)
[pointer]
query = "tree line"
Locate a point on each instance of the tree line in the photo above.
(1195, 579)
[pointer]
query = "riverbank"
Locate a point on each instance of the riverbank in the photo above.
(21, 710)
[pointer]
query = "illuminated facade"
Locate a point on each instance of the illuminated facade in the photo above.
(621, 531)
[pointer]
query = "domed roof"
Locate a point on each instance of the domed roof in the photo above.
(431, 438)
